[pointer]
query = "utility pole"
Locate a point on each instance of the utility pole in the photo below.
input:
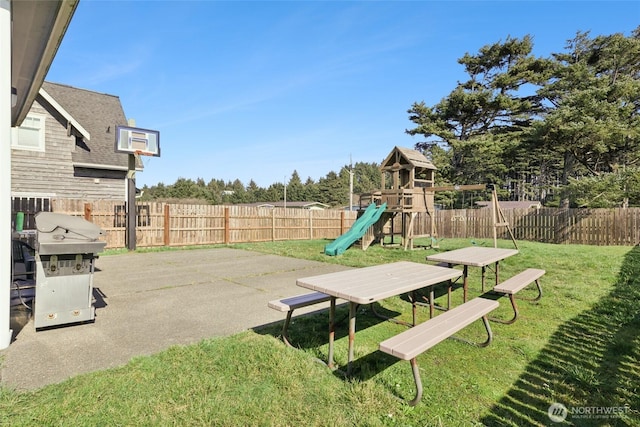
(350, 183)
(285, 192)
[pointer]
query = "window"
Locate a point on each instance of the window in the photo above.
(142, 213)
(30, 134)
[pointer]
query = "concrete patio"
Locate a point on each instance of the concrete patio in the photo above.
(147, 302)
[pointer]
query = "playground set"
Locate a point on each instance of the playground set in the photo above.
(407, 189)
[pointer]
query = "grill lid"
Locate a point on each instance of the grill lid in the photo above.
(66, 234)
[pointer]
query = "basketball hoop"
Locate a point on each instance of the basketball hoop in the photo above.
(136, 141)
(139, 153)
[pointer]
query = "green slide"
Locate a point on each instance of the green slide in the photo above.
(370, 216)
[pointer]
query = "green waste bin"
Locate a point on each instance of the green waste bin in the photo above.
(19, 221)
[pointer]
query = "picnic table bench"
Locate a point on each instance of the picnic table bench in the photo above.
(288, 305)
(515, 284)
(408, 345)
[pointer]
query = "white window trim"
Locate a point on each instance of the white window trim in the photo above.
(41, 135)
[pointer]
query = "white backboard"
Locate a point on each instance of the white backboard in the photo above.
(137, 141)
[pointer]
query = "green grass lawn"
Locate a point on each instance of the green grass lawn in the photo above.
(579, 346)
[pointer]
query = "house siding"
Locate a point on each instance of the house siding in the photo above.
(51, 173)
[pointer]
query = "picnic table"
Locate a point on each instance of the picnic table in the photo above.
(370, 284)
(474, 256)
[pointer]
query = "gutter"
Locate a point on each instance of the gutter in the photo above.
(106, 167)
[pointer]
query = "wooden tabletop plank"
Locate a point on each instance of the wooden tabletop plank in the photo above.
(475, 256)
(370, 284)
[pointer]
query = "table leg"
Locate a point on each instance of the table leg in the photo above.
(484, 275)
(431, 303)
(414, 306)
(352, 333)
(465, 282)
(497, 273)
(332, 329)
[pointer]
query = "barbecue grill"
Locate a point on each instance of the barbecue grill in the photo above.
(66, 250)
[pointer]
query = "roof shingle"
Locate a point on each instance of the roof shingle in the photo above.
(99, 114)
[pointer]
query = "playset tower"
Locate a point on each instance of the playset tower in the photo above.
(408, 189)
(407, 182)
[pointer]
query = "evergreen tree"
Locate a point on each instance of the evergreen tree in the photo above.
(214, 191)
(311, 191)
(593, 123)
(275, 192)
(295, 190)
(332, 189)
(482, 119)
(366, 177)
(255, 193)
(236, 192)
(186, 189)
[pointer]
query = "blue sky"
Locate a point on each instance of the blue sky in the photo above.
(256, 90)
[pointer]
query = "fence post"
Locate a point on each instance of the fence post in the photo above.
(561, 230)
(88, 211)
(167, 226)
(227, 233)
(342, 230)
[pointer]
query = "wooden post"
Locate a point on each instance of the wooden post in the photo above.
(273, 224)
(499, 220)
(167, 226)
(87, 211)
(408, 243)
(494, 213)
(227, 233)
(131, 204)
(342, 219)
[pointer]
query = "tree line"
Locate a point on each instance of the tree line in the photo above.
(333, 189)
(562, 129)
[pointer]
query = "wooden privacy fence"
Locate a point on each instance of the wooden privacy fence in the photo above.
(598, 227)
(162, 224)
